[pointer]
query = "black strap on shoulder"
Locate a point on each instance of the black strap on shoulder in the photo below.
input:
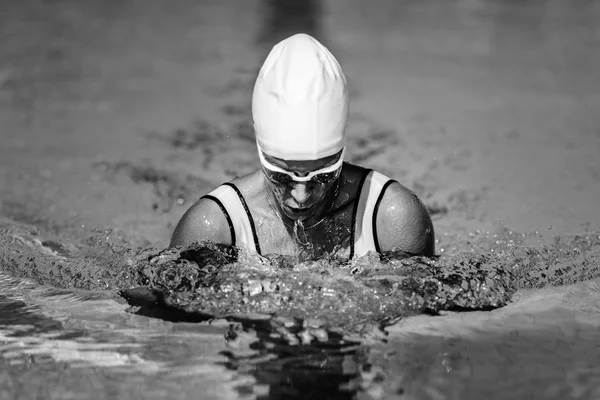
(355, 211)
(250, 218)
(226, 213)
(375, 210)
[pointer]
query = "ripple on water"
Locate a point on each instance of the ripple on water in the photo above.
(36, 325)
(584, 297)
(301, 347)
(73, 341)
(519, 352)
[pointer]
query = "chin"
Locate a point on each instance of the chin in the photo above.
(297, 215)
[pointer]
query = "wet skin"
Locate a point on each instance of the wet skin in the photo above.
(303, 201)
(402, 221)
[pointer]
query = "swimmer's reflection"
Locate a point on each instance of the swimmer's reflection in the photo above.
(323, 369)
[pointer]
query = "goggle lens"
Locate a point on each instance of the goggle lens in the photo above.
(322, 176)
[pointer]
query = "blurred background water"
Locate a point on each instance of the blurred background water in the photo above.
(487, 109)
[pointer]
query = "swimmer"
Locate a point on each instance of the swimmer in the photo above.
(306, 201)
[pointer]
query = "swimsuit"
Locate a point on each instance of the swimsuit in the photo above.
(364, 233)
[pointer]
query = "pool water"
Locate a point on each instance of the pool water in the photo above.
(118, 115)
(82, 344)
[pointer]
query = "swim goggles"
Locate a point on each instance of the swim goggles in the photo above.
(280, 176)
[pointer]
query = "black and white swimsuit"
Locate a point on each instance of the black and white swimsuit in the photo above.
(364, 232)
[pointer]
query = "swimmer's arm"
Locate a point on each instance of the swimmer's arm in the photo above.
(403, 223)
(204, 221)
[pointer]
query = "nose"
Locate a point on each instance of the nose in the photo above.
(300, 193)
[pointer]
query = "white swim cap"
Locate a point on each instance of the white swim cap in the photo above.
(300, 101)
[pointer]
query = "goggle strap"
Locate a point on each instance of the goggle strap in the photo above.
(332, 168)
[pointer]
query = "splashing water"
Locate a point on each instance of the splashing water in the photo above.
(310, 324)
(223, 281)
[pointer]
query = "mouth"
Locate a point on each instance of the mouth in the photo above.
(297, 212)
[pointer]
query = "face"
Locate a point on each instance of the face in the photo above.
(301, 186)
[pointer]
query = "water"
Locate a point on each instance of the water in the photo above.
(84, 345)
(77, 340)
(88, 345)
(488, 110)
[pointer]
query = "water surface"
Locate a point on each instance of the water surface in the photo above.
(487, 109)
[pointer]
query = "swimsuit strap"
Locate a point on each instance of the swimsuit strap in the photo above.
(235, 209)
(226, 213)
(371, 191)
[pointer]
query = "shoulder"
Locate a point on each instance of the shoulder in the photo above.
(203, 221)
(207, 219)
(403, 222)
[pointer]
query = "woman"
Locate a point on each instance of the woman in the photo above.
(305, 200)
